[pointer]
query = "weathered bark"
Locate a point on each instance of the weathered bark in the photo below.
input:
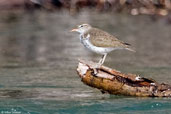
(114, 82)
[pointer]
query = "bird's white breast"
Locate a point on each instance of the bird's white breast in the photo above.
(100, 50)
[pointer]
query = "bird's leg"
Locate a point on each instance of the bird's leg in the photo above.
(100, 63)
(103, 59)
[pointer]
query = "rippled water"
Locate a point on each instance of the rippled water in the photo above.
(39, 56)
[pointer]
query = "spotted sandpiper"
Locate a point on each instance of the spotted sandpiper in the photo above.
(99, 41)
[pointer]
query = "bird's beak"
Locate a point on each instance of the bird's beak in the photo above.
(74, 30)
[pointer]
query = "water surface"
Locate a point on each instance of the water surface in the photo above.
(39, 56)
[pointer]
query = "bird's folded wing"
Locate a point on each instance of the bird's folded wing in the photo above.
(101, 38)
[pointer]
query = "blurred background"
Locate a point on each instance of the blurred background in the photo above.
(39, 56)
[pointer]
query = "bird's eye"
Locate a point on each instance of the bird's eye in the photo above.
(81, 26)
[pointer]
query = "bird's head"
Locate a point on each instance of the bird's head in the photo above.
(83, 28)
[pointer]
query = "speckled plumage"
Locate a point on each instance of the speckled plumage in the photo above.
(101, 38)
(100, 50)
(99, 41)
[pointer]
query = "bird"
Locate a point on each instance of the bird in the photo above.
(99, 41)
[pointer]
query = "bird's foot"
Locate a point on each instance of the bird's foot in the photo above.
(96, 69)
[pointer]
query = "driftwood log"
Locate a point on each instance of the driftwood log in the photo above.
(111, 81)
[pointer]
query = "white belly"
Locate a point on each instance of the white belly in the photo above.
(99, 50)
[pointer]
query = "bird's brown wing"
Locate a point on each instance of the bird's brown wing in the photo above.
(101, 38)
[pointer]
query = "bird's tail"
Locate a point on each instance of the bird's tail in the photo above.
(130, 49)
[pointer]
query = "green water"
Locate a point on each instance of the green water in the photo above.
(39, 56)
(111, 105)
